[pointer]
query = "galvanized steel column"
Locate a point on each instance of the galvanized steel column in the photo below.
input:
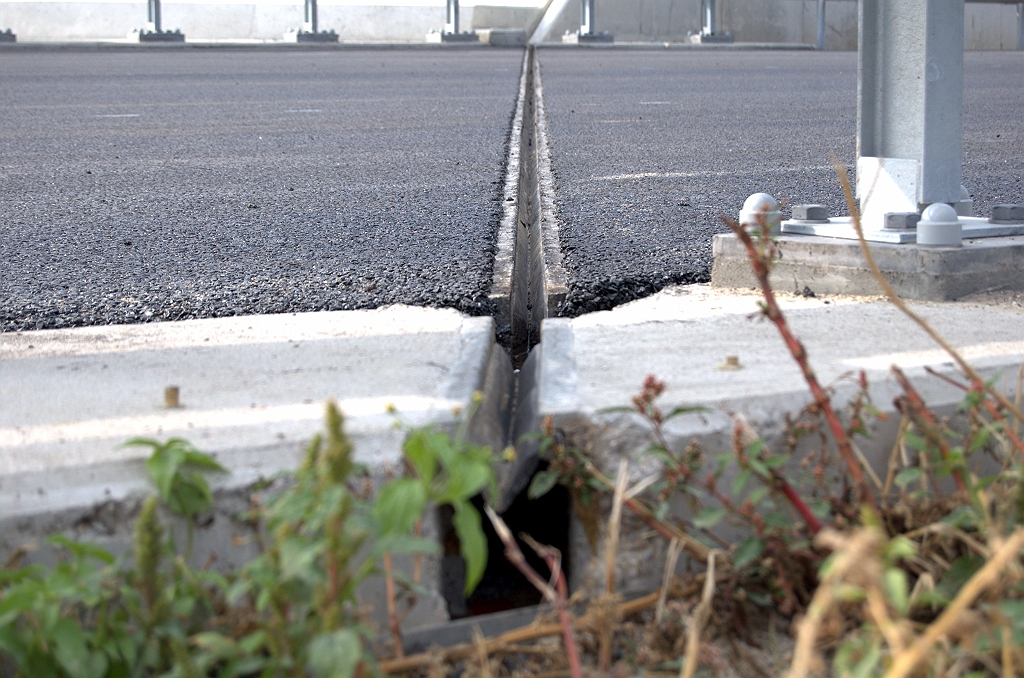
(910, 91)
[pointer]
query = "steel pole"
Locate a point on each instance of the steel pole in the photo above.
(311, 18)
(587, 17)
(1020, 25)
(821, 24)
(451, 17)
(154, 14)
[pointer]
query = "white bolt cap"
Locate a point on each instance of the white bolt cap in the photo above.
(761, 206)
(939, 226)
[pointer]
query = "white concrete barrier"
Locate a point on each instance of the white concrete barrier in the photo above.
(987, 26)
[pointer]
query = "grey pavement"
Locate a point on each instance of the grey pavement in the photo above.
(143, 185)
(649, 149)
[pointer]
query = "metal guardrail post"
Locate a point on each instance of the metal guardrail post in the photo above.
(451, 17)
(708, 18)
(586, 17)
(821, 25)
(910, 99)
(153, 16)
(309, 16)
(1020, 25)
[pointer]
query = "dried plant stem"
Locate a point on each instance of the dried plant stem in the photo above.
(675, 547)
(771, 309)
(604, 652)
(558, 599)
(1006, 636)
(520, 635)
(699, 620)
(894, 463)
(853, 552)
(905, 662)
(925, 421)
(693, 547)
(481, 653)
(964, 366)
(1010, 431)
(393, 622)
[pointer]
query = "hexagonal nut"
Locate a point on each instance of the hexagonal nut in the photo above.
(901, 221)
(810, 213)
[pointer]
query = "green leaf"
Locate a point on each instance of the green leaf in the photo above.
(399, 504)
(747, 552)
(897, 590)
(685, 410)
(335, 654)
(473, 542)
(741, 480)
(962, 569)
(708, 518)
(759, 468)
(220, 646)
(542, 484)
(70, 649)
(406, 543)
(908, 475)
(420, 455)
(81, 549)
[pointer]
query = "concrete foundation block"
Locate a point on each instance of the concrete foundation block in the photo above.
(708, 39)
(834, 266)
(319, 37)
(604, 38)
(684, 336)
(502, 37)
(252, 392)
(143, 35)
(466, 37)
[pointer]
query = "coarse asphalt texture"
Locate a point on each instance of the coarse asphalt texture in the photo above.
(151, 184)
(651, 148)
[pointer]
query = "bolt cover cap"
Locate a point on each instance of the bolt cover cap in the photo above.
(939, 226)
(764, 205)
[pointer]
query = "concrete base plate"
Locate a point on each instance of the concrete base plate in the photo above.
(837, 266)
(310, 37)
(252, 392)
(458, 38)
(605, 38)
(842, 227)
(683, 335)
(717, 39)
(158, 36)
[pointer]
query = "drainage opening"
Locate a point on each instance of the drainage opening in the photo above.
(503, 587)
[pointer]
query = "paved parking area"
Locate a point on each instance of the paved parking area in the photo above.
(650, 148)
(150, 184)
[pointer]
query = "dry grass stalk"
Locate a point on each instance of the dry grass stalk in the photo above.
(693, 546)
(607, 604)
(393, 621)
(852, 552)
(964, 366)
(481, 652)
(699, 620)
(674, 549)
(553, 596)
(520, 635)
(1009, 550)
(894, 456)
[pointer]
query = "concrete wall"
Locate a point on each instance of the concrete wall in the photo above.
(987, 26)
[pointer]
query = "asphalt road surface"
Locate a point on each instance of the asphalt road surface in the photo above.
(144, 185)
(650, 148)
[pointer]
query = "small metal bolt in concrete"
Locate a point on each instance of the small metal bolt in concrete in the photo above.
(939, 227)
(172, 396)
(761, 208)
(1007, 214)
(901, 221)
(818, 213)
